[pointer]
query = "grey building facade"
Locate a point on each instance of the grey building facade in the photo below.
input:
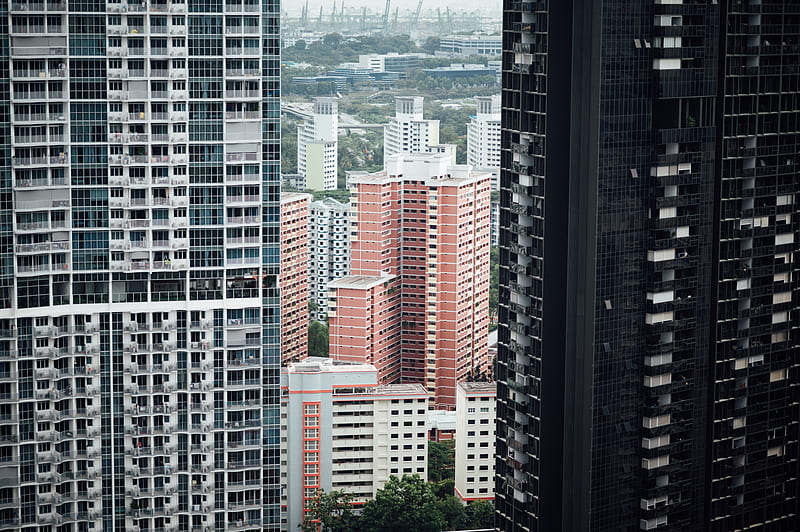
(647, 369)
(139, 349)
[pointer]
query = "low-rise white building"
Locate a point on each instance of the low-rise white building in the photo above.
(340, 430)
(475, 440)
(329, 249)
(471, 45)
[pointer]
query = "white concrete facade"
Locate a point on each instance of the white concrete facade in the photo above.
(318, 145)
(408, 131)
(475, 440)
(340, 430)
(329, 248)
(483, 137)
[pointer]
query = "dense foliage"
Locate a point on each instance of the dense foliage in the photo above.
(317, 339)
(406, 504)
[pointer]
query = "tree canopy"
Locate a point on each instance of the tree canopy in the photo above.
(407, 504)
(317, 339)
(403, 505)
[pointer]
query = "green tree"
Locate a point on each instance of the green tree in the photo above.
(480, 514)
(403, 505)
(443, 488)
(288, 147)
(332, 39)
(452, 510)
(330, 512)
(441, 460)
(300, 44)
(317, 339)
(494, 284)
(431, 44)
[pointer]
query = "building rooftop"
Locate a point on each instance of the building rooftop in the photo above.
(328, 202)
(319, 364)
(288, 197)
(478, 388)
(359, 281)
(402, 389)
(442, 420)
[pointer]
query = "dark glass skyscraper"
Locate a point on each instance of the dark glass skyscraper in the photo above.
(649, 345)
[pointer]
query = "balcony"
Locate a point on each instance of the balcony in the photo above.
(23, 162)
(243, 115)
(38, 51)
(25, 6)
(22, 73)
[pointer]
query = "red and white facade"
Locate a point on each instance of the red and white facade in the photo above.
(342, 430)
(426, 222)
(293, 280)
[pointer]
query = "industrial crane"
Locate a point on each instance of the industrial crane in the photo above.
(386, 16)
(304, 16)
(415, 18)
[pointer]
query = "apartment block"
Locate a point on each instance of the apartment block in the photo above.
(475, 440)
(483, 137)
(425, 223)
(342, 430)
(647, 343)
(408, 131)
(329, 250)
(293, 282)
(318, 145)
(139, 337)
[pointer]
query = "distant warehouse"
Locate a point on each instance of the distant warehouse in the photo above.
(459, 70)
(471, 44)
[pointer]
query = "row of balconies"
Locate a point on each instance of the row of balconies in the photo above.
(52, 352)
(135, 7)
(123, 180)
(135, 138)
(82, 391)
(140, 31)
(175, 201)
(23, 73)
(52, 330)
(122, 223)
(145, 159)
(40, 160)
(126, 245)
(59, 456)
(27, 6)
(57, 373)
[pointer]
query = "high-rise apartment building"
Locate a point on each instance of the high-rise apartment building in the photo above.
(483, 137)
(293, 280)
(343, 431)
(648, 250)
(408, 131)
(138, 298)
(318, 145)
(419, 271)
(475, 440)
(329, 250)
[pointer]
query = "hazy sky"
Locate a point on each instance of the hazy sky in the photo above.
(486, 6)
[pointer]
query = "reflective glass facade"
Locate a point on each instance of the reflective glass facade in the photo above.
(648, 256)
